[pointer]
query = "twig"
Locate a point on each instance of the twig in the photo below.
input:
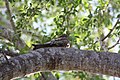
(10, 15)
(114, 44)
(111, 30)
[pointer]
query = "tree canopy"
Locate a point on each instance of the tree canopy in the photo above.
(90, 24)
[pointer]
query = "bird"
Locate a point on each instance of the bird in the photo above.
(61, 41)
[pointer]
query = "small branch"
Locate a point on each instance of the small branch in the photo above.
(111, 30)
(114, 44)
(10, 15)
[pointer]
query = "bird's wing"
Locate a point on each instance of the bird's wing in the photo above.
(61, 41)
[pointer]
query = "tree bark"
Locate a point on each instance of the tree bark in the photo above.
(59, 58)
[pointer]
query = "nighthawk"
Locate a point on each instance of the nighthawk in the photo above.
(61, 41)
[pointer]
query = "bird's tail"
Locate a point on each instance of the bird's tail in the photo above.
(37, 46)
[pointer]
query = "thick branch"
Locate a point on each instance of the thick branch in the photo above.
(6, 22)
(19, 42)
(49, 59)
(9, 53)
(6, 33)
(9, 35)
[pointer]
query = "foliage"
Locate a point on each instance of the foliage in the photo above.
(85, 21)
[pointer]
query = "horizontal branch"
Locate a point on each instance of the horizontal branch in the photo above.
(50, 59)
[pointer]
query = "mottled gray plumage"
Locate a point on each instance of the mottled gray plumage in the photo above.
(61, 41)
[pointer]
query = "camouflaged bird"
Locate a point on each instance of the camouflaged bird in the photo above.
(61, 41)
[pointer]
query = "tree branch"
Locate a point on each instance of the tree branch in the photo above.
(9, 53)
(9, 35)
(5, 33)
(19, 43)
(10, 15)
(111, 30)
(114, 44)
(49, 59)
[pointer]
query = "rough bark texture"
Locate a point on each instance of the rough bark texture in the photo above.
(9, 35)
(48, 59)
